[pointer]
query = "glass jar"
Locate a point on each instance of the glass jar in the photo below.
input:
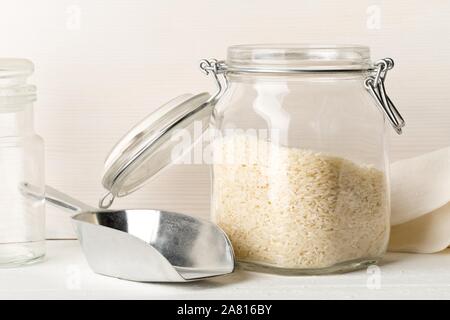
(22, 218)
(300, 180)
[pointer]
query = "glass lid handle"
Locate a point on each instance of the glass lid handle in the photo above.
(374, 83)
(218, 69)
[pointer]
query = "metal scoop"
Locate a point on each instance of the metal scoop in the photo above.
(147, 245)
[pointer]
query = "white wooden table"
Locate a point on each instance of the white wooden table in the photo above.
(65, 275)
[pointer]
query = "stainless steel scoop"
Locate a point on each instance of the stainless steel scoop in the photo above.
(148, 245)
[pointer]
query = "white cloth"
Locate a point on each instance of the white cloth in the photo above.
(420, 195)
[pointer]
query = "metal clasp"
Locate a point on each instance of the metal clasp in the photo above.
(106, 201)
(374, 83)
(218, 69)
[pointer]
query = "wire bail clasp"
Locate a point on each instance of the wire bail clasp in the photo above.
(374, 83)
(218, 69)
(106, 201)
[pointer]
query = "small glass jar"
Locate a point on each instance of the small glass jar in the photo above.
(300, 177)
(22, 218)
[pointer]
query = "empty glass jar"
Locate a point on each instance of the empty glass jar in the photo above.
(22, 222)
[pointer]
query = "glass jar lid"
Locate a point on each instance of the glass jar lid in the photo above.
(13, 68)
(297, 57)
(13, 86)
(147, 148)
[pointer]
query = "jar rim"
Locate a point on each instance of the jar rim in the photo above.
(298, 57)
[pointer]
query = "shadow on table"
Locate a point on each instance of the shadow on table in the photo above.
(238, 276)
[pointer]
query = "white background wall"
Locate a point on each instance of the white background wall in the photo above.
(102, 65)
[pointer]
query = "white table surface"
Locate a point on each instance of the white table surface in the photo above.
(64, 274)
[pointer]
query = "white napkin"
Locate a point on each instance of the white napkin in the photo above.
(420, 195)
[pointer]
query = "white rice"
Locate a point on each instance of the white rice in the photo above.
(294, 208)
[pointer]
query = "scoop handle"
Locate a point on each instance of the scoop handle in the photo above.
(56, 198)
(64, 201)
